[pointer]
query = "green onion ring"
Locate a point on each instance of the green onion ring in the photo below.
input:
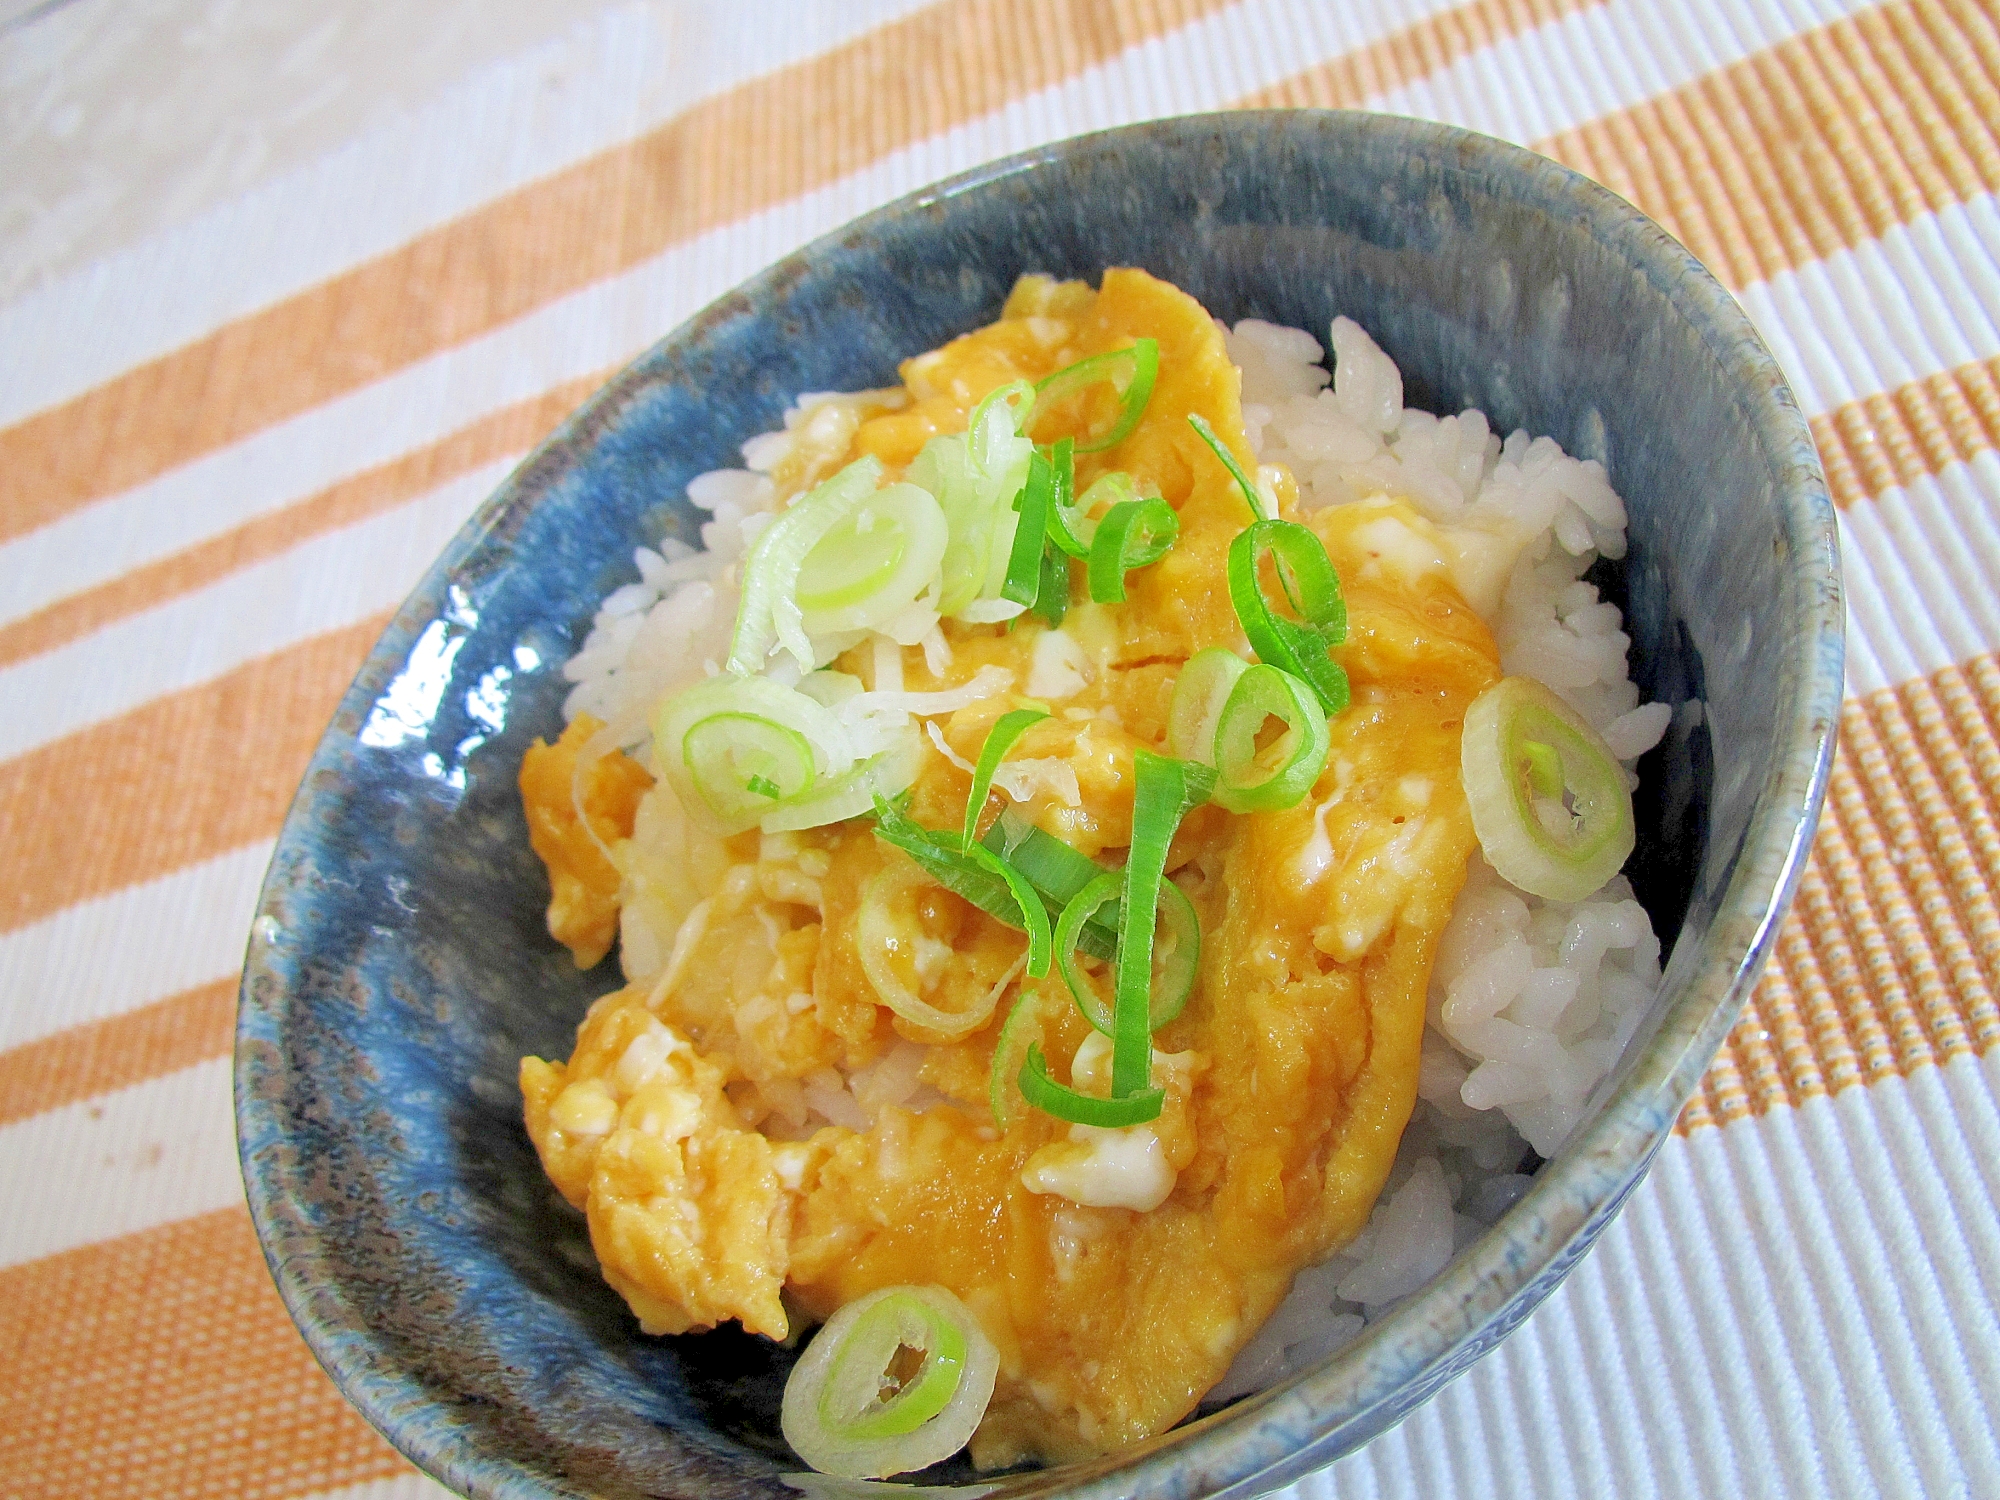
(1200, 692)
(1131, 371)
(1133, 534)
(835, 1414)
(1065, 1103)
(1561, 845)
(1221, 451)
(1007, 729)
(1010, 1050)
(1053, 868)
(733, 758)
(1306, 573)
(1169, 996)
(1267, 692)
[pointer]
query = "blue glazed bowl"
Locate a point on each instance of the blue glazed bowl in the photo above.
(399, 968)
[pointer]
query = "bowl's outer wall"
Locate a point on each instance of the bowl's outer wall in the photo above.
(399, 968)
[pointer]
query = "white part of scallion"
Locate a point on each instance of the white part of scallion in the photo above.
(975, 476)
(846, 1415)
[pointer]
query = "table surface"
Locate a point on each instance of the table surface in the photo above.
(286, 290)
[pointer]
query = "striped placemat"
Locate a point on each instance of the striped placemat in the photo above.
(229, 447)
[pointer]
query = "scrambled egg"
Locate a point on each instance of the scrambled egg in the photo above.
(1118, 1272)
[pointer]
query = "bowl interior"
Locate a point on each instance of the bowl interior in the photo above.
(400, 969)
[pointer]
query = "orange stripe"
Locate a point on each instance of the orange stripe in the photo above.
(162, 1366)
(1890, 961)
(156, 1039)
(182, 779)
(766, 142)
(1417, 51)
(1822, 142)
(1899, 436)
(511, 430)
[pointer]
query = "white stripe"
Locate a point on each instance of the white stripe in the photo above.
(1799, 1303)
(403, 1487)
(1920, 561)
(1597, 62)
(326, 582)
(610, 321)
(612, 78)
(147, 1155)
(1924, 297)
(103, 957)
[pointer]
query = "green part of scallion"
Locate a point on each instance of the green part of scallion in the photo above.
(1007, 729)
(1176, 953)
(1131, 373)
(1031, 532)
(1311, 588)
(1069, 528)
(976, 875)
(1133, 534)
(1221, 450)
(1065, 1103)
(1250, 778)
(1167, 789)
(1052, 596)
(1055, 869)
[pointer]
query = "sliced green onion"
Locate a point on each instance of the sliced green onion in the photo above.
(1065, 1103)
(768, 617)
(975, 476)
(1008, 728)
(1035, 916)
(741, 763)
(1173, 975)
(1131, 373)
(1221, 450)
(1068, 527)
(976, 875)
(845, 1415)
(835, 799)
(1021, 1029)
(1199, 694)
(873, 563)
(1052, 594)
(1133, 534)
(754, 728)
(1166, 790)
(1559, 845)
(1054, 869)
(1312, 588)
(1279, 775)
(1031, 531)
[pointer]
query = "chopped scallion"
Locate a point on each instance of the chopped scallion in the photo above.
(1130, 372)
(1065, 1103)
(1167, 789)
(1221, 450)
(1312, 589)
(1133, 534)
(1008, 728)
(1250, 778)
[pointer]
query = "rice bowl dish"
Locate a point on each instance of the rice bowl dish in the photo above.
(1528, 999)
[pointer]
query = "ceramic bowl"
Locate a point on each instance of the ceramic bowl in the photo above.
(399, 967)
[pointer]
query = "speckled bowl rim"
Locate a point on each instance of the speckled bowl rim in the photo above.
(1272, 1438)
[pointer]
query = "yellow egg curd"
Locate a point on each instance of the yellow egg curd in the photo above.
(1119, 1272)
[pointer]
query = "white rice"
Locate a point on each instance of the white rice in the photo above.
(1531, 1001)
